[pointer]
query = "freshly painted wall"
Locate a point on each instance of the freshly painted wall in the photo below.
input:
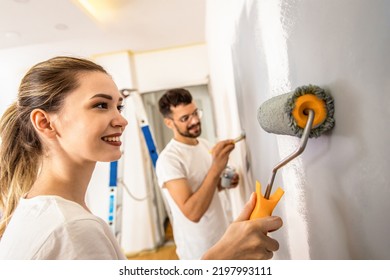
(337, 193)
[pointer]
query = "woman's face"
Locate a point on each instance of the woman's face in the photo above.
(90, 124)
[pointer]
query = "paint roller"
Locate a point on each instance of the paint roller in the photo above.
(305, 112)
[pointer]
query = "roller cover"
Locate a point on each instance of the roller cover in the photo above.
(285, 114)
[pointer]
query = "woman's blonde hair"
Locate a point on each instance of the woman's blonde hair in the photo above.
(44, 87)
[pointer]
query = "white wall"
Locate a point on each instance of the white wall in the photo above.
(229, 120)
(15, 62)
(172, 67)
(337, 192)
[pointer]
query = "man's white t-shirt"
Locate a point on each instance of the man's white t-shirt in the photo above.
(51, 227)
(179, 160)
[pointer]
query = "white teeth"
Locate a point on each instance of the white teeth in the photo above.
(111, 139)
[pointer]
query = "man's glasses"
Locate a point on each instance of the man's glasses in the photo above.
(198, 113)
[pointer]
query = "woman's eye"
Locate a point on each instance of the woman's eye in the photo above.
(120, 108)
(101, 106)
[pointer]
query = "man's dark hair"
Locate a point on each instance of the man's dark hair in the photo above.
(173, 97)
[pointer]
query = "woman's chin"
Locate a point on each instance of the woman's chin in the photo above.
(112, 157)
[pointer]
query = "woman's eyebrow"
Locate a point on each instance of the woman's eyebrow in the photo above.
(106, 96)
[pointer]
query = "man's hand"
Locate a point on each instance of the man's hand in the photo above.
(220, 153)
(235, 180)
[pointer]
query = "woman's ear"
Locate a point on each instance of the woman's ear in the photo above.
(41, 122)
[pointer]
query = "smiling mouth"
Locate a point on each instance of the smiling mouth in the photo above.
(111, 139)
(194, 127)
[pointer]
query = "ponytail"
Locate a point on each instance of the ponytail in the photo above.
(20, 151)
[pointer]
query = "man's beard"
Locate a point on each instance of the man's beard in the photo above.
(187, 132)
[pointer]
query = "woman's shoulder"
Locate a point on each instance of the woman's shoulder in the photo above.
(55, 208)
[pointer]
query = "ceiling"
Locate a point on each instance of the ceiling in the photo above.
(143, 24)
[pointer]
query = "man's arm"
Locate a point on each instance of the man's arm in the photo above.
(194, 204)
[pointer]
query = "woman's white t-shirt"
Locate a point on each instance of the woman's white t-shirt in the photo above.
(51, 227)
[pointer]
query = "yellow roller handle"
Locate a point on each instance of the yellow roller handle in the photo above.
(264, 207)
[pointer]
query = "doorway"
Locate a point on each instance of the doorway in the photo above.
(162, 135)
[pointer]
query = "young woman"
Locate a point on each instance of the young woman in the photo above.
(66, 118)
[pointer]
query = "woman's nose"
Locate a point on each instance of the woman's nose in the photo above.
(120, 121)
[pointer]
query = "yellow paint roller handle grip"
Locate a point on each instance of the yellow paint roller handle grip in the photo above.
(264, 207)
